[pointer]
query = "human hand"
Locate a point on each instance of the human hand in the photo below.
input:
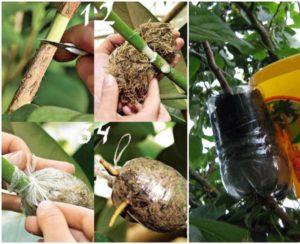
(17, 152)
(83, 37)
(106, 89)
(151, 110)
(62, 222)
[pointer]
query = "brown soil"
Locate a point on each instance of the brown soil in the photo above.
(156, 194)
(133, 69)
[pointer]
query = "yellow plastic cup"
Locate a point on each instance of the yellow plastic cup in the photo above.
(279, 84)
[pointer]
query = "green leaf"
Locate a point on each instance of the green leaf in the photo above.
(194, 65)
(195, 234)
(133, 13)
(205, 25)
(22, 113)
(51, 113)
(218, 231)
(116, 233)
(101, 237)
(208, 212)
(34, 113)
(62, 90)
(43, 145)
(85, 158)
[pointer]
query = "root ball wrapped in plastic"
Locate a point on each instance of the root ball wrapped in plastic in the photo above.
(46, 184)
(133, 69)
(251, 159)
(151, 193)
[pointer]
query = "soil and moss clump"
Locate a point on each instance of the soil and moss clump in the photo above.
(133, 69)
(155, 193)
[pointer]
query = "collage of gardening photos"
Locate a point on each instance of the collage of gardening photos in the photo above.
(150, 121)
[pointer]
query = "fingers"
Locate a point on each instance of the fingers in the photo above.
(176, 33)
(85, 69)
(81, 36)
(52, 223)
(22, 160)
(31, 225)
(19, 158)
(12, 143)
(106, 108)
(109, 44)
(132, 109)
(79, 219)
(179, 43)
(42, 163)
(175, 60)
(152, 101)
(11, 202)
(127, 110)
(164, 115)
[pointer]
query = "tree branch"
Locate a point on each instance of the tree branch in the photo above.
(43, 57)
(265, 37)
(205, 183)
(274, 16)
(174, 12)
(272, 205)
(215, 68)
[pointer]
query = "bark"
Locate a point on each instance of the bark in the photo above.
(39, 64)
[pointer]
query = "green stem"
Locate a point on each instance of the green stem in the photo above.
(8, 170)
(138, 42)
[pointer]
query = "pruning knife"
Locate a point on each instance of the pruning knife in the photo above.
(69, 47)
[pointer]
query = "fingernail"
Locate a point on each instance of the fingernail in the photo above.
(45, 205)
(15, 157)
(109, 80)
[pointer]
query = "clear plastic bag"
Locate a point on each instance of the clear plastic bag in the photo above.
(251, 159)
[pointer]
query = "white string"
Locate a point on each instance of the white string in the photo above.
(118, 156)
(33, 192)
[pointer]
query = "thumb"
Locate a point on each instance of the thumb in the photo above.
(152, 101)
(106, 110)
(52, 223)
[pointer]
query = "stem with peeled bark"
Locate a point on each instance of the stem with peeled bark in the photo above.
(43, 57)
(138, 42)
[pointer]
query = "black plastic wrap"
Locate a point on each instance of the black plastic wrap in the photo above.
(251, 160)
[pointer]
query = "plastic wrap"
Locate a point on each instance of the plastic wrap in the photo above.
(251, 160)
(50, 184)
(156, 195)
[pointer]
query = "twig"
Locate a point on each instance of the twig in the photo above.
(274, 16)
(37, 68)
(205, 183)
(215, 68)
(265, 37)
(271, 204)
(174, 12)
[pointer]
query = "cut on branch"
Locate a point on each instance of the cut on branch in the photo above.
(43, 57)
